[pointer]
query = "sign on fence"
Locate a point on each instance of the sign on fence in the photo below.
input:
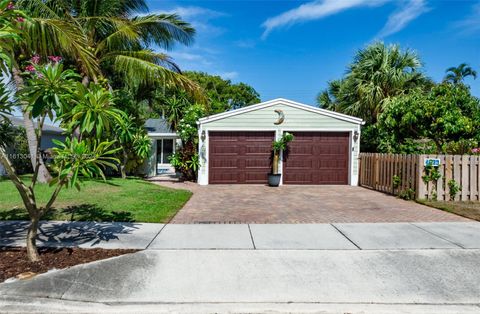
(434, 162)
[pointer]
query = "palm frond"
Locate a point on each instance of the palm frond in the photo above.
(164, 30)
(160, 59)
(46, 9)
(124, 8)
(55, 36)
(143, 31)
(142, 70)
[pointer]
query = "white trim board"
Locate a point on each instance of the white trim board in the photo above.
(281, 101)
(162, 134)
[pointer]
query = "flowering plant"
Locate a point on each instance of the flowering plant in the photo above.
(34, 64)
(476, 151)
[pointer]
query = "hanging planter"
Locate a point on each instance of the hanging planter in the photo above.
(277, 147)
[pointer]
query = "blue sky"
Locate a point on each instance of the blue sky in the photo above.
(291, 49)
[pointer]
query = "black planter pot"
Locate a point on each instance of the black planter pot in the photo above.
(274, 179)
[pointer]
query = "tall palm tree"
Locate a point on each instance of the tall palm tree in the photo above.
(103, 38)
(119, 35)
(456, 75)
(377, 73)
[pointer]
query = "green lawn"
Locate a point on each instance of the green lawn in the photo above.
(114, 200)
(466, 209)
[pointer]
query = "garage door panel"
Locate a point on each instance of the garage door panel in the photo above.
(298, 177)
(257, 150)
(226, 177)
(303, 150)
(225, 150)
(317, 158)
(253, 177)
(224, 163)
(257, 163)
(300, 164)
(239, 157)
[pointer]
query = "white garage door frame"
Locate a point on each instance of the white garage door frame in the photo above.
(203, 175)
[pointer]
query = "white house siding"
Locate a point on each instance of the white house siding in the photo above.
(296, 119)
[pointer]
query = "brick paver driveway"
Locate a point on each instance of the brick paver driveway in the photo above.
(299, 204)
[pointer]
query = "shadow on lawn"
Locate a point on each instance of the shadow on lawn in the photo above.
(82, 212)
(17, 213)
(92, 212)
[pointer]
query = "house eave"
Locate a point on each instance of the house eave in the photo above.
(282, 101)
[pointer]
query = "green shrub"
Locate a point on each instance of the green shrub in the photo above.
(453, 188)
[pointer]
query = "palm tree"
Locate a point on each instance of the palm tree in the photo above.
(377, 73)
(456, 75)
(119, 35)
(173, 108)
(103, 38)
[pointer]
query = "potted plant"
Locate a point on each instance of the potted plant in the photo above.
(277, 147)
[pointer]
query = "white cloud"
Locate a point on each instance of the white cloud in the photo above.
(399, 19)
(313, 11)
(228, 75)
(186, 56)
(192, 12)
(471, 24)
(199, 17)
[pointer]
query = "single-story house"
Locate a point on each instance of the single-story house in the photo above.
(236, 146)
(164, 143)
(49, 133)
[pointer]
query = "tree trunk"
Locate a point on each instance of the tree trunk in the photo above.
(32, 252)
(275, 162)
(43, 173)
(85, 81)
(123, 165)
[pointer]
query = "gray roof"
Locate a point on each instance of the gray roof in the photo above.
(159, 125)
(18, 122)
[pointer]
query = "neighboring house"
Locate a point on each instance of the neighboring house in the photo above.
(236, 146)
(164, 144)
(49, 132)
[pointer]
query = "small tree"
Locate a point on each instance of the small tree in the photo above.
(133, 142)
(280, 146)
(448, 116)
(49, 93)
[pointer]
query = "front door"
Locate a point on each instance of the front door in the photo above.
(165, 149)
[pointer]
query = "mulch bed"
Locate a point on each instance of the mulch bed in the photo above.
(14, 261)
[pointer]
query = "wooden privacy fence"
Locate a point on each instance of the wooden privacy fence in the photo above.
(380, 171)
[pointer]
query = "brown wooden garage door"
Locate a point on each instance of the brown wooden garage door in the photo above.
(317, 158)
(239, 157)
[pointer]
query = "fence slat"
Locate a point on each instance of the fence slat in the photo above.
(440, 182)
(448, 174)
(457, 176)
(464, 181)
(473, 178)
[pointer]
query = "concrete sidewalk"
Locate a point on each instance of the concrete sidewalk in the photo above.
(328, 268)
(253, 281)
(364, 236)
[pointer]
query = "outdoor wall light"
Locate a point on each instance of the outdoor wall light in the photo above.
(355, 136)
(203, 136)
